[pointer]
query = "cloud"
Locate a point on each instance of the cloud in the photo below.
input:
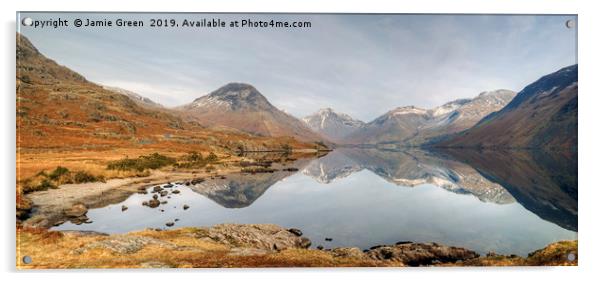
(363, 65)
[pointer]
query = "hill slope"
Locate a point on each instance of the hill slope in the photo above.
(332, 125)
(58, 108)
(242, 107)
(414, 126)
(542, 115)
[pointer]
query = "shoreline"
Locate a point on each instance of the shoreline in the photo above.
(49, 206)
(250, 245)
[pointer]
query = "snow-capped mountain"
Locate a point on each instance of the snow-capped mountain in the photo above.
(543, 115)
(242, 107)
(332, 125)
(411, 125)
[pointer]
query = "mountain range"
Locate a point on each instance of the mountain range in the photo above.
(413, 126)
(240, 106)
(543, 115)
(59, 108)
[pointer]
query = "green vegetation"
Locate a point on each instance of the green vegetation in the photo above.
(195, 160)
(152, 161)
(60, 175)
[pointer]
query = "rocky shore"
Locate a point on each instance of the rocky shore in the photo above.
(248, 245)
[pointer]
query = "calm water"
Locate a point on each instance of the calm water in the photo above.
(368, 197)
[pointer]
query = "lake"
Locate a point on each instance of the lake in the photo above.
(506, 202)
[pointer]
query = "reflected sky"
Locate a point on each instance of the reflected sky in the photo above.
(360, 209)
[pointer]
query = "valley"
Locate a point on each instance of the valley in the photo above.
(107, 177)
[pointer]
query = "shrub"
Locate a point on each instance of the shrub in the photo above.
(211, 157)
(83, 177)
(58, 172)
(152, 161)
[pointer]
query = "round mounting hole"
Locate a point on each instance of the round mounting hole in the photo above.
(27, 260)
(571, 257)
(570, 23)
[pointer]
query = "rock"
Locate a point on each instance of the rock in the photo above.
(403, 242)
(176, 219)
(348, 252)
(170, 224)
(125, 244)
(197, 181)
(328, 239)
(295, 231)
(163, 202)
(76, 210)
(258, 236)
(185, 207)
(154, 203)
(163, 193)
(145, 203)
(320, 247)
(169, 185)
(157, 188)
(175, 191)
(155, 196)
(123, 208)
(417, 254)
(304, 243)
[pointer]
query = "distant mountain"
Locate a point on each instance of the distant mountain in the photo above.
(414, 126)
(240, 106)
(542, 115)
(134, 96)
(332, 125)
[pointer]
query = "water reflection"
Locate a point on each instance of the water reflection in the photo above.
(543, 182)
(511, 203)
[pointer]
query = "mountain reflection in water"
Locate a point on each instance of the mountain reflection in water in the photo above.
(510, 203)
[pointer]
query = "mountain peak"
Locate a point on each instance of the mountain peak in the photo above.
(410, 109)
(235, 96)
(332, 124)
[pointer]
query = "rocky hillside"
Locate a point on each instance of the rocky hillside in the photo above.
(58, 108)
(144, 101)
(240, 106)
(542, 115)
(332, 125)
(414, 126)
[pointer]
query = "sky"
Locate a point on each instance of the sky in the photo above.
(362, 65)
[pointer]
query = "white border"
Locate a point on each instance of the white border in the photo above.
(589, 133)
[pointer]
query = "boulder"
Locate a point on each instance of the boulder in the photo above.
(185, 207)
(295, 231)
(352, 252)
(258, 236)
(417, 254)
(154, 203)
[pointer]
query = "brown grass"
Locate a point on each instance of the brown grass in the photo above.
(51, 249)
